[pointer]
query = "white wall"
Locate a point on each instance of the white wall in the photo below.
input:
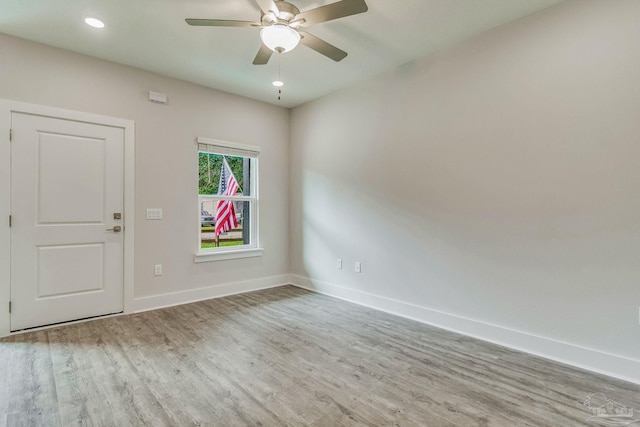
(497, 184)
(166, 159)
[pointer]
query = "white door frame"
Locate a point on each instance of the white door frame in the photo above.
(7, 107)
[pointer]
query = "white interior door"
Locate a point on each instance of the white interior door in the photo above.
(66, 186)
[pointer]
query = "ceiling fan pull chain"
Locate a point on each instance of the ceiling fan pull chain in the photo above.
(279, 78)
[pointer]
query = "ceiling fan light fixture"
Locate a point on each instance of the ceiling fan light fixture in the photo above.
(279, 37)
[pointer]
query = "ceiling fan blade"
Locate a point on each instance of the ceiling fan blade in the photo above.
(221, 23)
(332, 11)
(321, 46)
(268, 6)
(263, 55)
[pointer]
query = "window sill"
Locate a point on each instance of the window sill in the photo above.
(226, 255)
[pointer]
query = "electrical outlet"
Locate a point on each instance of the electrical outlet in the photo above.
(158, 270)
(357, 267)
(339, 264)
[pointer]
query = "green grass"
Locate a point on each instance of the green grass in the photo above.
(211, 228)
(222, 244)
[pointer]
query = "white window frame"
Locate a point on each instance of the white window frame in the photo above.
(232, 252)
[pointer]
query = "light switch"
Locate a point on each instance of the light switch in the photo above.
(154, 213)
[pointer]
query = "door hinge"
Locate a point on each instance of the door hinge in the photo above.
(9, 220)
(9, 306)
(10, 134)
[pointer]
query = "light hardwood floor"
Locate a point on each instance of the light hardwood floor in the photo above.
(283, 356)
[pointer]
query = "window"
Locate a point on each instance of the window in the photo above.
(227, 200)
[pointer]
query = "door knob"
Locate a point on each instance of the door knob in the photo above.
(115, 229)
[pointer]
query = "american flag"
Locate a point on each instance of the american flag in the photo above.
(225, 211)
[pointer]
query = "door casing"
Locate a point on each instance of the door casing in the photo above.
(7, 107)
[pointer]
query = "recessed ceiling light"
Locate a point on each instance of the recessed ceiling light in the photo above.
(95, 23)
(278, 83)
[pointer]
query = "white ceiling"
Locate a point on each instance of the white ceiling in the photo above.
(152, 35)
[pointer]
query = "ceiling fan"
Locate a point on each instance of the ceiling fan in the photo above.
(281, 24)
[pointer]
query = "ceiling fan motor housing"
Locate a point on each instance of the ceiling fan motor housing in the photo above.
(287, 11)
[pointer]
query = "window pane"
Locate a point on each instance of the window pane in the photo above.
(239, 235)
(210, 166)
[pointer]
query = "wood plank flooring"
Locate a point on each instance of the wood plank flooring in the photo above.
(283, 356)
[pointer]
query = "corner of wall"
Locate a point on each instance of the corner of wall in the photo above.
(5, 203)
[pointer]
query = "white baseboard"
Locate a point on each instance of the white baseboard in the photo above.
(581, 357)
(192, 295)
